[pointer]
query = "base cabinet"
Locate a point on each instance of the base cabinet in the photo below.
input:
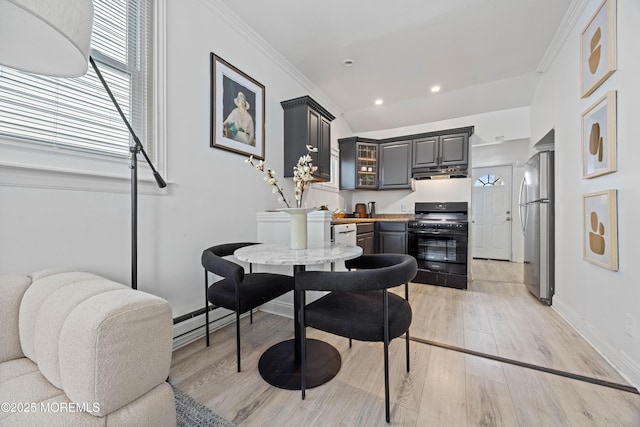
(365, 237)
(391, 237)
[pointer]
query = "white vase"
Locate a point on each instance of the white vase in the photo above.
(298, 228)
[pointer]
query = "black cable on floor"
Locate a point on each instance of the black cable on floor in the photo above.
(591, 380)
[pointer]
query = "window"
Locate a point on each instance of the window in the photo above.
(76, 113)
(489, 181)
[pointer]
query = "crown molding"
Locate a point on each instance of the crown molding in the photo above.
(270, 52)
(576, 8)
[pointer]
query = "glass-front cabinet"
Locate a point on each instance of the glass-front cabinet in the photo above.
(367, 165)
(358, 164)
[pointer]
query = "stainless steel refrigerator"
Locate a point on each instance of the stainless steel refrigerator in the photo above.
(536, 219)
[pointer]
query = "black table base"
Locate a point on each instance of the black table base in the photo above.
(279, 368)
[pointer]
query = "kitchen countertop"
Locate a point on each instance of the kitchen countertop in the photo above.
(378, 218)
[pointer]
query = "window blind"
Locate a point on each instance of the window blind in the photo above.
(77, 113)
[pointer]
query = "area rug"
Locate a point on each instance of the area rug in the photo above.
(190, 413)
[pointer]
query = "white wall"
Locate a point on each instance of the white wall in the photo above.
(213, 195)
(428, 190)
(593, 299)
(504, 125)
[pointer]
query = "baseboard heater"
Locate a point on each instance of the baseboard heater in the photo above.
(193, 314)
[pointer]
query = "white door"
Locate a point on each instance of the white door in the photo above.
(491, 214)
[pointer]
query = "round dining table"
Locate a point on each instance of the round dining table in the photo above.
(279, 365)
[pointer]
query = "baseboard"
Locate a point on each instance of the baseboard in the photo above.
(620, 361)
(284, 309)
(193, 329)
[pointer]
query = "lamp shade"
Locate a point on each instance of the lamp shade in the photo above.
(46, 37)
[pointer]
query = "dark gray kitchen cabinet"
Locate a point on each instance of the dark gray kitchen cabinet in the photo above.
(365, 237)
(443, 150)
(425, 152)
(358, 164)
(307, 123)
(395, 165)
(454, 149)
(391, 237)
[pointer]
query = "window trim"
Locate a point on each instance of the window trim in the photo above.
(35, 165)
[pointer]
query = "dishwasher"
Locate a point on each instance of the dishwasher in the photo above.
(346, 234)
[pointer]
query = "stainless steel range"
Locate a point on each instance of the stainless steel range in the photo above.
(438, 239)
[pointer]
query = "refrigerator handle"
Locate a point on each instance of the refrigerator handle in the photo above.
(521, 205)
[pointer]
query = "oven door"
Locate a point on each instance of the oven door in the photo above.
(443, 251)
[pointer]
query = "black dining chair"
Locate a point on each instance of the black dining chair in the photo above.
(359, 306)
(237, 290)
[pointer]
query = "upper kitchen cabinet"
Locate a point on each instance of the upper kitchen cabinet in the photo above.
(441, 153)
(425, 152)
(454, 149)
(390, 163)
(443, 150)
(307, 123)
(395, 165)
(358, 164)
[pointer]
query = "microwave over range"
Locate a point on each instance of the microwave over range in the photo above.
(438, 239)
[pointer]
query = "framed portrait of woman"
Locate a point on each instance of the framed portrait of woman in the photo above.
(237, 110)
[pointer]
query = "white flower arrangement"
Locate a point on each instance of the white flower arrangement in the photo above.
(302, 176)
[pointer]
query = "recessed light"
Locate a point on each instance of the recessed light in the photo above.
(348, 62)
(379, 101)
(435, 89)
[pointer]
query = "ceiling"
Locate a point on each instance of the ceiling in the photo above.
(485, 54)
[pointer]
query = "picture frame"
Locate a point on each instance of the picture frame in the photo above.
(237, 110)
(599, 134)
(600, 229)
(598, 48)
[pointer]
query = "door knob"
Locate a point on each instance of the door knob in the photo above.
(508, 212)
(508, 219)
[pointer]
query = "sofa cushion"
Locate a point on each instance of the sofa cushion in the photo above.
(15, 368)
(156, 408)
(12, 289)
(52, 317)
(57, 411)
(35, 297)
(28, 388)
(114, 347)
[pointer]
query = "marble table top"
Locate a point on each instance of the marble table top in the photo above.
(280, 254)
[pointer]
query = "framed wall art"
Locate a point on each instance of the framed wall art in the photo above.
(600, 229)
(237, 110)
(598, 48)
(599, 137)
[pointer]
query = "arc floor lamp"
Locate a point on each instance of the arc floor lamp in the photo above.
(52, 38)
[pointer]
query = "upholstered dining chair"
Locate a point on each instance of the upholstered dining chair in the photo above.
(237, 290)
(359, 306)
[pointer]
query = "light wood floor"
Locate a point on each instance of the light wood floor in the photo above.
(444, 387)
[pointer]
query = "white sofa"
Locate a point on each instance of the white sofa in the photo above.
(77, 349)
